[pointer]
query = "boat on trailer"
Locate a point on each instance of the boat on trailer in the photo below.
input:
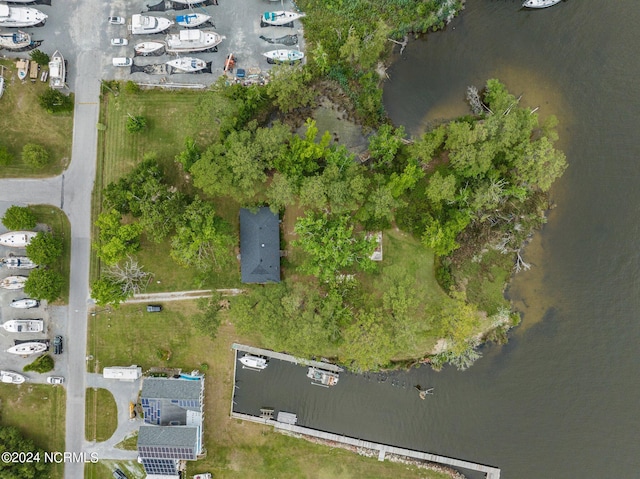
(192, 20)
(13, 282)
(187, 64)
(280, 18)
(17, 239)
(324, 378)
(284, 56)
(145, 49)
(57, 71)
(16, 41)
(17, 262)
(148, 24)
(24, 326)
(254, 362)
(24, 303)
(30, 347)
(187, 41)
(10, 377)
(540, 3)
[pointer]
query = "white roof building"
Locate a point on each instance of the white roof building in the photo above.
(128, 373)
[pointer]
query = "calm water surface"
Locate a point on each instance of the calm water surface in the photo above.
(561, 399)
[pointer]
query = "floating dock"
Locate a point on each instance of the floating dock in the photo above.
(286, 357)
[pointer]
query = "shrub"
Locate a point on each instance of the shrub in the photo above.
(39, 57)
(5, 156)
(43, 364)
(35, 155)
(54, 101)
(136, 123)
(131, 87)
(19, 218)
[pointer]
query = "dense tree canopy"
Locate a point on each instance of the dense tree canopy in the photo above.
(19, 218)
(44, 284)
(44, 248)
(12, 440)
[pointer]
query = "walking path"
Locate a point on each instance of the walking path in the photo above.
(181, 295)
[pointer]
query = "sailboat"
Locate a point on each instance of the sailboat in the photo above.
(192, 20)
(17, 262)
(280, 18)
(540, 3)
(24, 303)
(24, 326)
(13, 282)
(17, 239)
(25, 349)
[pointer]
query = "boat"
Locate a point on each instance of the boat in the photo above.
(149, 48)
(192, 20)
(188, 64)
(24, 326)
(23, 68)
(1, 86)
(57, 71)
(17, 262)
(280, 18)
(284, 56)
(9, 377)
(147, 24)
(16, 41)
(540, 3)
(24, 303)
(325, 378)
(254, 362)
(13, 282)
(21, 16)
(17, 239)
(30, 347)
(186, 41)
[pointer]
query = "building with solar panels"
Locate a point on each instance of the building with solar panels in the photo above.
(173, 412)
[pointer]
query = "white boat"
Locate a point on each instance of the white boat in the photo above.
(21, 16)
(280, 17)
(253, 362)
(17, 262)
(186, 41)
(192, 20)
(15, 41)
(24, 326)
(9, 377)
(22, 66)
(1, 86)
(24, 303)
(284, 56)
(24, 349)
(57, 71)
(540, 3)
(149, 48)
(17, 239)
(147, 24)
(13, 282)
(188, 64)
(325, 378)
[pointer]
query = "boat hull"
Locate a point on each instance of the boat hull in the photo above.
(325, 378)
(189, 41)
(11, 377)
(148, 24)
(17, 239)
(13, 282)
(192, 20)
(540, 3)
(19, 17)
(188, 64)
(57, 71)
(24, 303)
(284, 56)
(280, 18)
(18, 262)
(24, 326)
(26, 349)
(253, 362)
(146, 49)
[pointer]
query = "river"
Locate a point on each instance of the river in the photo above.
(560, 400)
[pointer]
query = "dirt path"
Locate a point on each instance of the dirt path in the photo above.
(182, 295)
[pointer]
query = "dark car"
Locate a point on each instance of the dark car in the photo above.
(154, 308)
(57, 345)
(118, 474)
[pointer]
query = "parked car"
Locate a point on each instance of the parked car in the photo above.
(116, 20)
(119, 42)
(154, 308)
(122, 62)
(57, 345)
(55, 380)
(118, 474)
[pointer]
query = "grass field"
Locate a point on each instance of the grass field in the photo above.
(235, 449)
(60, 226)
(104, 469)
(22, 121)
(101, 415)
(38, 410)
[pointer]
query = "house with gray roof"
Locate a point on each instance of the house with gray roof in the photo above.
(259, 246)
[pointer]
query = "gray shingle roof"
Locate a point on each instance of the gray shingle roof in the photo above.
(259, 246)
(165, 388)
(169, 436)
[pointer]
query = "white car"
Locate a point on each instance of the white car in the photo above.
(119, 42)
(122, 62)
(116, 20)
(55, 380)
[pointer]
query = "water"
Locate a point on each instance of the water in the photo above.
(560, 400)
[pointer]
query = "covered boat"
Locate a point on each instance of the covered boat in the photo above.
(539, 3)
(17, 262)
(280, 18)
(22, 66)
(325, 378)
(24, 326)
(284, 56)
(16, 41)
(149, 48)
(17, 239)
(253, 362)
(57, 71)
(24, 303)
(192, 20)
(186, 41)
(147, 24)
(10, 377)
(188, 64)
(21, 16)
(30, 347)
(13, 282)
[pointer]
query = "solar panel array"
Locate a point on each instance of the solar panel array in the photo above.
(167, 452)
(164, 467)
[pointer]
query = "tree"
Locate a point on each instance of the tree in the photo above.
(540, 165)
(11, 439)
(189, 155)
(385, 143)
(202, 240)
(116, 240)
(44, 248)
(44, 284)
(303, 154)
(136, 123)
(19, 218)
(367, 342)
(441, 188)
(129, 276)
(456, 319)
(208, 320)
(42, 364)
(5, 156)
(281, 192)
(109, 291)
(35, 156)
(39, 57)
(289, 87)
(54, 101)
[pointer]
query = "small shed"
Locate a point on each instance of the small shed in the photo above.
(128, 373)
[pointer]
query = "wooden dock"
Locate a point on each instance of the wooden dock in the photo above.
(383, 449)
(286, 357)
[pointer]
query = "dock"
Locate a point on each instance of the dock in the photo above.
(286, 357)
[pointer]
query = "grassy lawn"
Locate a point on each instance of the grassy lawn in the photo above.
(104, 469)
(59, 224)
(38, 410)
(101, 415)
(130, 443)
(22, 120)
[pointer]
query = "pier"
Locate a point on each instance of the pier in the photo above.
(286, 357)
